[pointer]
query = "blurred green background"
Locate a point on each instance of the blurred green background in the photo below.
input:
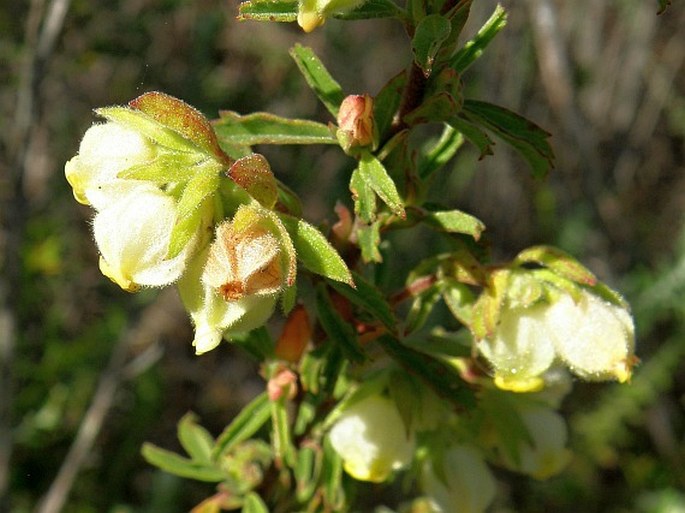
(605, 78)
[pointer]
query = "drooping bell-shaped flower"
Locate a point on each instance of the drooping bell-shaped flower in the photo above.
(463, 483)
(371, 439)
(133, 235)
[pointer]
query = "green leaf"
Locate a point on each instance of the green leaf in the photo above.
(474, 134)
(387, 101)
(441, 377)
(339, 331)
(247, 423)
(421, 308)
(441, 153)
(459, 299)
(369, 240)
(174, 464)
(456, 221)
(373, 9)
(364, 197)
(150, 128)
(254, 504)
(268, 10)
(315, 252)
(558, 261)
(318, 78)
(331, 477)
(528, 139)
(265, 128)
(195, 439)
(282, 439)
(437, 108)
(307, 473)
(430, 33)
(370, 299)
(375, 175)
(475, 47)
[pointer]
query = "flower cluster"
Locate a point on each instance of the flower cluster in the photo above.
(152, 173)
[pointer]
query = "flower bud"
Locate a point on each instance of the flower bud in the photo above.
(106, 149)
(355, 121)
(313, 13)
(546, 454)
(593, 337)
(133, 235)
(522, 348)
(371, 439)
(462, 483)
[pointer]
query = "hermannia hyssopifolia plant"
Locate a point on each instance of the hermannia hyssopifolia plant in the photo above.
(360, 386)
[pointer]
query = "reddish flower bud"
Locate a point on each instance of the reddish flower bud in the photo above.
(355, 119)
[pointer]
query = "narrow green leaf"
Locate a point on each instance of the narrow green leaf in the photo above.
(339, 332)
(370, 299)
(456, 221)
(282, 439)
(369, 240)
(195, 439)
(265, 128)
(558, 261)
(474, 134)
(319, 79)
(375, 175)
(177, 465)
(475, 47)
(247, 423)
(441, 153)
(331, 477)
(441, 377)
(364, 197)
(314, 250)
(146, 125)
(254, 504)
(387, 101)
(307, 472)
(268, 10)
(430, 33)
(373, 9)
(528, 139)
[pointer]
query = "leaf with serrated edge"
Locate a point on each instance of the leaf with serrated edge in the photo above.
(265, 128)
(319, 79)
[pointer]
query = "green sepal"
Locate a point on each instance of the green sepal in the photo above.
(440, 377)
(387, 101)
(166, 168)
(319, 79)
(250, 420)
(195, 439)
(558, 261)
(253, 173)
(456, 221)
(430, 33)
(339, 331)
(369, 241)
(314, 250)
(370, 299)
(266, 128)
(372, 9)
(459, 300)
(289, 299)
(528, 139)
(149, 127)
(474, 48)
(523, 289)
(363, 196)
(488, 307)
(474, 134)
(373, 172)
(253, 503)
(268, 10)
(441, 152)
(172, 463)
(181, 118)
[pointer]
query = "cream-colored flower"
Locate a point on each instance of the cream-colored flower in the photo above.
(522, 349)
(468, 485)
(595, 338)
(371, 439)
(133, 235)
(105, 151)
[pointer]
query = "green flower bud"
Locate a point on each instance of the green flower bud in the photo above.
(546, 454)
(595, 338)
(133, 235)
(105, 151)
(313, 13)
(459, 481)
(371, 439)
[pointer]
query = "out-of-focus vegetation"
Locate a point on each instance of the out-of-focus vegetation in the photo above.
(605, 78)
